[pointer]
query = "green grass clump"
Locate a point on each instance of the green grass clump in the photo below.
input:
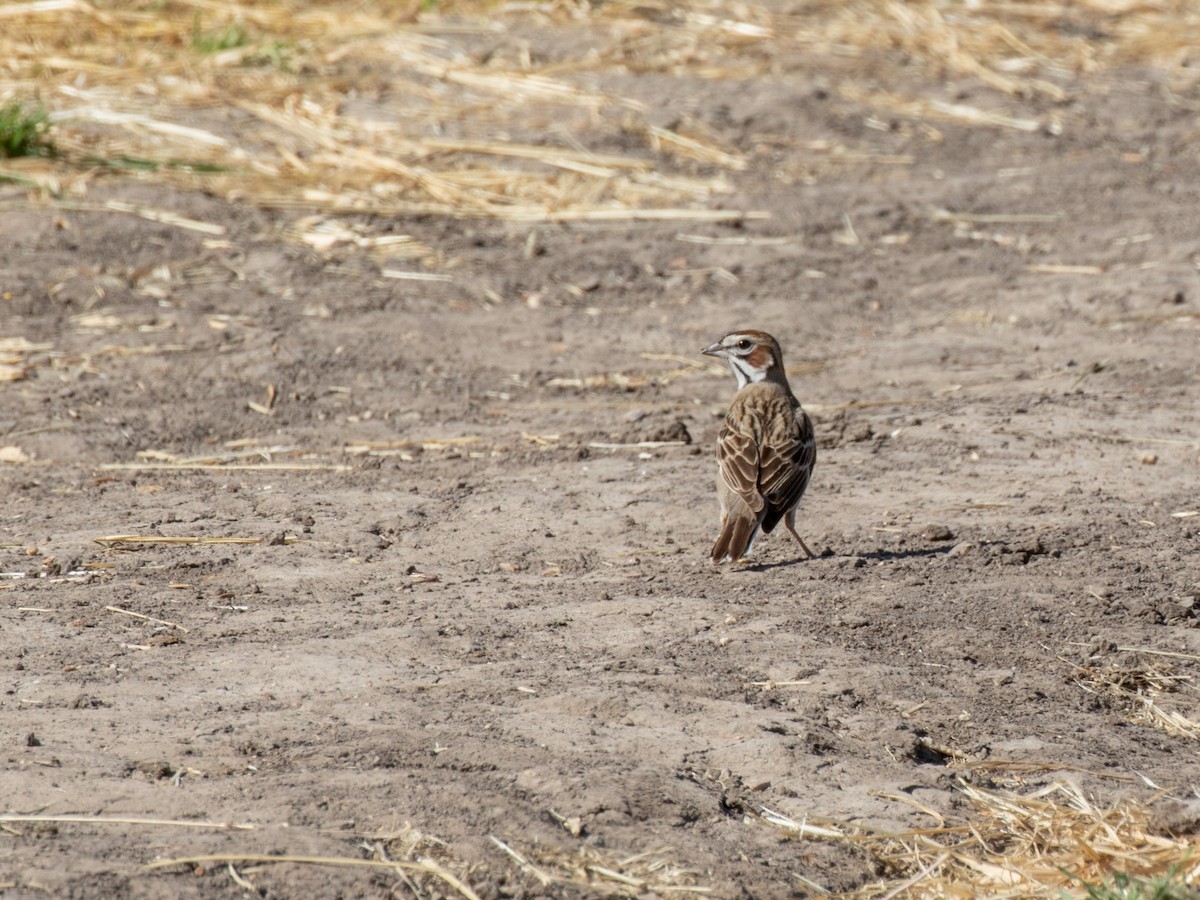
(23, 130)
(276, 53)
(1127, 887)
(230, 37)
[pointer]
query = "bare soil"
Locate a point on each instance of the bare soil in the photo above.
(466, 614)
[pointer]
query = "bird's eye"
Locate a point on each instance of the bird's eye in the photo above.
(743, 344)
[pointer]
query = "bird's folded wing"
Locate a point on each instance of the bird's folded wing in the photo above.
(737, 455)
(786, 460)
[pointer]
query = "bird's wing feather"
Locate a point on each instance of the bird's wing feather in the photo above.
(787, 455)
(737, 455)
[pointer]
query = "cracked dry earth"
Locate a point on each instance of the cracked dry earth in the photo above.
(473, 607)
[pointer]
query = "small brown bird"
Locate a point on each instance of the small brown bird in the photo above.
(766, 450)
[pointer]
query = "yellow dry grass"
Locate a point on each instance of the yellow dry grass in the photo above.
(1046, 843)
(1143, 694)
(385, 108)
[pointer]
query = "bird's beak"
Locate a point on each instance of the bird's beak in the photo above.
(714, 350)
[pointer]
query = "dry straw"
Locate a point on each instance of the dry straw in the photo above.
(343, 107)
(419, 867)
(599, 872)
(1047, 843)
(642, 874)
(1142, 692)
(1050, 842)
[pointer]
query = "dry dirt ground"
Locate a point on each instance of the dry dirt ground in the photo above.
(478, 605)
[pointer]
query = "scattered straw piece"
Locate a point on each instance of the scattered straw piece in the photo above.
(111, 117)
(137, 615)
(738, 241)
(996, 218)
(638, 445)
(664, 139)
(165, 217)
(771, 685)
(1153, 652)
(404, 275)
(938, 109)
(162, 539)
(17, 819)
(526, 866)
(801, 828)
(406, 449)
(917, 878)
(44, 6)
(589, 867)
(239, 880)
(231, 467)
(1056, 269)
(974, 116)
(1026, 767)
(427, 866)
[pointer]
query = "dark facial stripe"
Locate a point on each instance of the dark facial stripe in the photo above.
(742, 370)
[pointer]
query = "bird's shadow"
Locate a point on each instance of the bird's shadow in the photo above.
(891, 555)
(875, 556)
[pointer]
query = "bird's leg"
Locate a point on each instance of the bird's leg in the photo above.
(790, 521)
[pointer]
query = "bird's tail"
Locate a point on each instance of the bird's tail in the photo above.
(736, 538)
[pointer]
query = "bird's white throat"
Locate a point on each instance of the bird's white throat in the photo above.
(746, 373)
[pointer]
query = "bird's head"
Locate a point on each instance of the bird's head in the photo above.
(753, 356)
